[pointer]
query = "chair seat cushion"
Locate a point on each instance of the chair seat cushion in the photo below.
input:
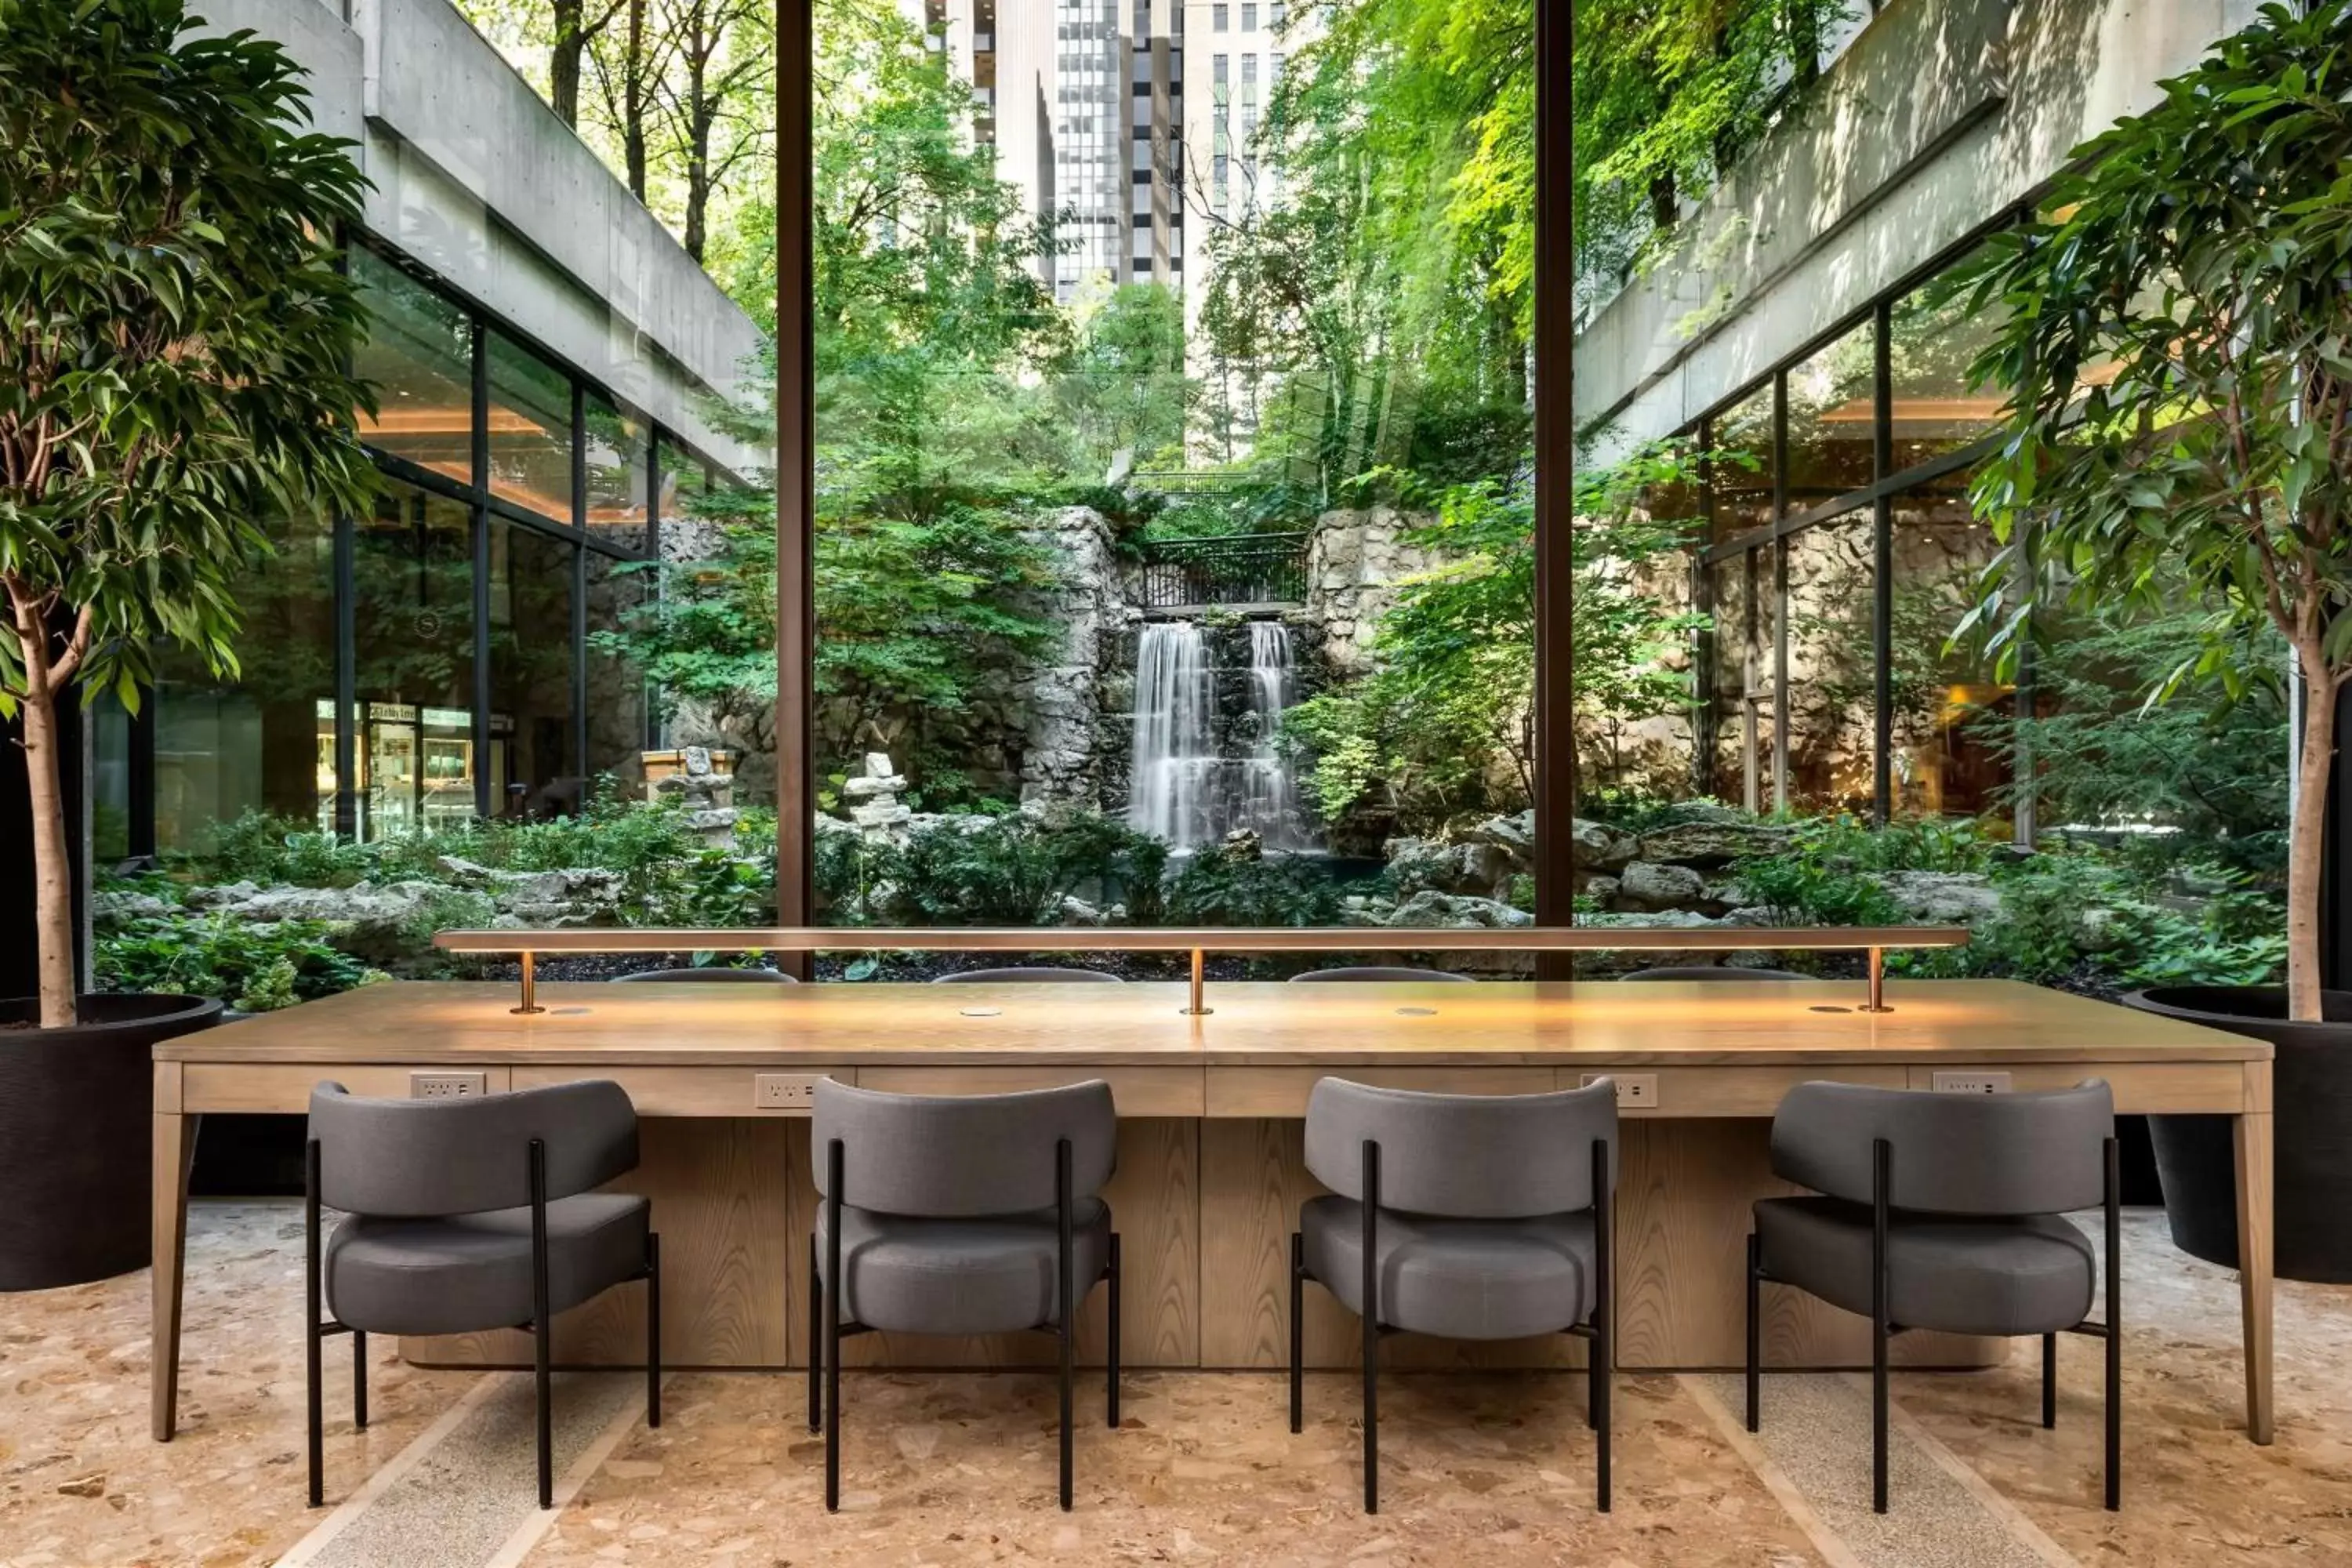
(1462, 1278)
(990, 1275)
(471, 1272)
(2031, 1276)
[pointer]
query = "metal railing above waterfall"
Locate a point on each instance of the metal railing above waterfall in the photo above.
(1230, 569)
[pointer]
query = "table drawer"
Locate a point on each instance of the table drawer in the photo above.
(2139, 1087)
(286, 1086)
(1729, 1091)
(682, 1092)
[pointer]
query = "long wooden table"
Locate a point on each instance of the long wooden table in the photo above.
(1210, 1175)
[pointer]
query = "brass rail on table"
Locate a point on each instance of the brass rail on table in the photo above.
(1200, 940)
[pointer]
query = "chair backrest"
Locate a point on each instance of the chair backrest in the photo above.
(413, 1157)
(1468, 1156)
(955, 1156)
(1711, 971)
(2036, 1154)
(708, 975)
(1377, 972)
(1035, 973)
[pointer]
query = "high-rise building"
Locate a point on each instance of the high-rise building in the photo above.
(1122, 187)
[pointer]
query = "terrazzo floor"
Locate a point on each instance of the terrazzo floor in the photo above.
(949, 1469)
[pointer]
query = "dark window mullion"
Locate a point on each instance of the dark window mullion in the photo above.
(482, 527)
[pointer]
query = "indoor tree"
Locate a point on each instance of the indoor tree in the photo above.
(174, 334)
(2177, 348)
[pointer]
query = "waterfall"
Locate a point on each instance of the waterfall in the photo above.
(1175, 754)
(1188, 785)
(1269, 800)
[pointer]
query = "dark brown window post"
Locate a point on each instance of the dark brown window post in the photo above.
(796, 470)
(1555, 446)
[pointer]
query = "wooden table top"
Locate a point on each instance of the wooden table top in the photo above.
(1685, 1024)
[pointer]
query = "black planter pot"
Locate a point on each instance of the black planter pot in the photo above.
(76, 1136)
(2311, 1090)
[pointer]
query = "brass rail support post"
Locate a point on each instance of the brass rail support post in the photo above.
(529, 986)
(1878, 1003)
(1198, 1009)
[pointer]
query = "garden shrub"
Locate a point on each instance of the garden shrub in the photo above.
(1214, 889)
(256, 966)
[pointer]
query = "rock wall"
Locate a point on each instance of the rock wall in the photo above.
(1355, 559)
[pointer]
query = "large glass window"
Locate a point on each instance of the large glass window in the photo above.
(619, 455)
(1832, 421)
(1742, 465)
(264, 741)
(531, 430)
(616, 688)
(534, 771)
(413, 607)
(1931, 342)
(1946, 700)
(1742, 696)
(419, 354)
(1832, 700)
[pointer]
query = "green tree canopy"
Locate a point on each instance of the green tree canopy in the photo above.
(2177, 348)
(172, 365)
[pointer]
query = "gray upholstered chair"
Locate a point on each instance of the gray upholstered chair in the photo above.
(1468, 1217)
(462, 1215)
(948, 1215)
(1712, 972)
(1029, 973)
(1377, 972)
(1944, 1211)
(709, 973)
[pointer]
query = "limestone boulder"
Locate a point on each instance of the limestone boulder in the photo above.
(1647, 888)
(1602, 848)
(1712, 843)
(1461, 913)
(1474, 869)
(1943, 897)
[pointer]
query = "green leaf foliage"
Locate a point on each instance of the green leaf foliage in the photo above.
(173, 333)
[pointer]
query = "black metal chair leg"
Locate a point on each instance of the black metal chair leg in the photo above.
(1371, 1327)
(1755, 1329)
(815, 1341)
(316, 1434)
(653, 1330)
(1066, 1284)
(2049, 1381)
(1604, 1311)
(2114, 1337)
(359, 1379)
(1298, 1331)
(543, 1327)
(1110, 1399)
(1882, 1155)
(832, 1329)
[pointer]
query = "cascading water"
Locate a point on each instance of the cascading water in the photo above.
(1175, 754)
(1187, 787)
(1269, 796)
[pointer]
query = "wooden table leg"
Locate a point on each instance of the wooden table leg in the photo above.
(2254, 1243)
(175, 1147)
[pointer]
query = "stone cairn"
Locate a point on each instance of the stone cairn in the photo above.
(876, 809)
(708, 793)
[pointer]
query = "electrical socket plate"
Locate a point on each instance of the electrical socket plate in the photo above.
(1635, 1091)
(784, 1091)
(448, 1085)
(1971, 1083)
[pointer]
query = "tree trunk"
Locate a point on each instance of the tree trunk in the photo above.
(2306, 840)
(52, 868)
(633, 101)
(564, 62)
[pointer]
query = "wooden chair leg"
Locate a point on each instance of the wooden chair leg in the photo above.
(2049, 1382)
(359, 1379)
(316, 1432)
(1755, 1329)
